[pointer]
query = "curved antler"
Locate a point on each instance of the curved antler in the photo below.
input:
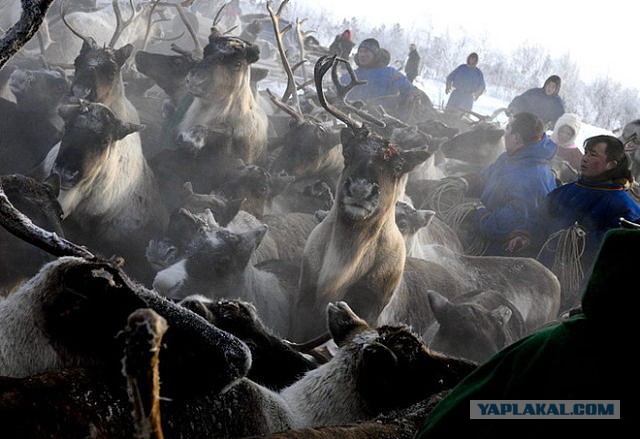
(342, 91)
(322, 66)
(120, 24)
(63, 12)
(291, 90)
(286, 108)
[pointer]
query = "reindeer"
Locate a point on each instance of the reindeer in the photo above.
(108, 194)
(356, 253)
(68, 314)
(218, 265)
(31, 125)
(18, 260)
(220, 84)
(374, 370)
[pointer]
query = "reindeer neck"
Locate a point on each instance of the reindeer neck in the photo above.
(123, 174)
(222, 108)
(328, 394)
(119, 104)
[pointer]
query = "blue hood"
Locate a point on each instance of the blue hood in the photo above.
(539, 152)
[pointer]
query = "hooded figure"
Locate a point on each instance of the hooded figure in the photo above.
(579, 358)
(385, 85)
(544, 102)
(342, 45)
(564, 135)
(630, 137)
(467, 83)
(412, 65)
(514, 186)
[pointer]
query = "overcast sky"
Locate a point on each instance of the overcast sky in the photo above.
(602, 40)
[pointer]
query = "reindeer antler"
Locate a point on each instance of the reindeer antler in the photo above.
(322, 66)
(291, 90)
(342, 91)
(120, 24)
(150, 22)
(286, 108)
(63, 12)
(197, 49)
(303, 55)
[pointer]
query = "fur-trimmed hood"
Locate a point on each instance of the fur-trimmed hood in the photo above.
(571, 120)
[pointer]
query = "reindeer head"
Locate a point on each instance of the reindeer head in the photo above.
(213, 262)
(224, 68)
(373, 174)
(304, 147)
(410, 220)
(168, 71)
(38, 201)
(38, 90)
(374, 168)
(256, 186)
(393, 368)
(91, 130)
(98, 71)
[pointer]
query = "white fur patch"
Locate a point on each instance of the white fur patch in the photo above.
(171, 278)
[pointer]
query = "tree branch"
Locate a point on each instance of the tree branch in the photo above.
(33, 12)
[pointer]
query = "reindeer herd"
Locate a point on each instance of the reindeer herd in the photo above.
(264, 263)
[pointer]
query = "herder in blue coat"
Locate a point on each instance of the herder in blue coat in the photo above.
(513, 188)
(385, 85)
(596, 202)
(467, 83)
(543, 102)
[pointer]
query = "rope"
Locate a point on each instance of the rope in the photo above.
(449, 201)
(449, 193)
(570, 244)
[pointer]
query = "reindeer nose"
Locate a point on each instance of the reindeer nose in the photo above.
(361, 188)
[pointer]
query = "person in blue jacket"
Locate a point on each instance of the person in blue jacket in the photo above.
(467, 83)
(512, 188)
(544, 102)
(385, 85)
(596, 201)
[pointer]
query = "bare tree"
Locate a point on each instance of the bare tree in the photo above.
(33, 12)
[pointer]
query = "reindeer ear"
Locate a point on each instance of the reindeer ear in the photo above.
(87, 45)
(342, 322)
(252, 53)
(123, 53)
(125, 128)
(425, 217)
(440, 305)
(52, 182)
(258, 74)
(252, 238)
(412, 158)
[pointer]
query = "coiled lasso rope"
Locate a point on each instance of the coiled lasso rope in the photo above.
(568, 251)
(449, 201)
